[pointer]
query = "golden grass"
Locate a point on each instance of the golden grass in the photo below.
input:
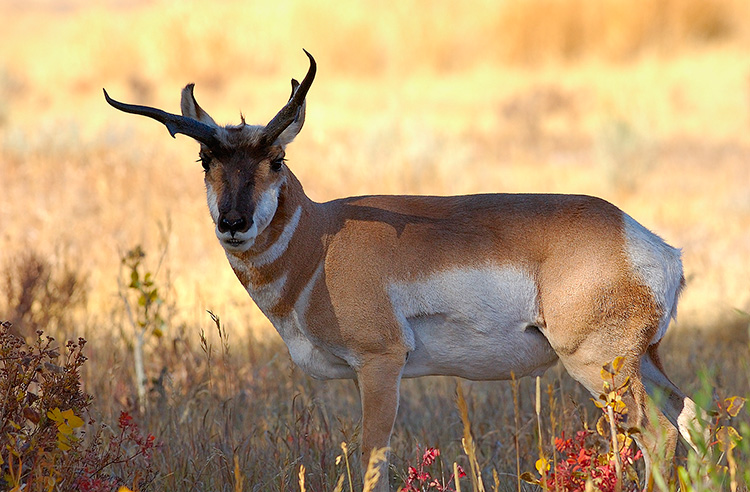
(648, 107)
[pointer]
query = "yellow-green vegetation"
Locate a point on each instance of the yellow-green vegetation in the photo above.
(646, 104)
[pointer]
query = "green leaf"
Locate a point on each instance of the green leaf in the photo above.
(62, 443)
(683, 478)
(728, 438)
(633, 430)
(529, 478)
(733, 405)
(624, 386)
(602, 426)
(632, 473)
(134, 280)
(54, 415)
(618, 363)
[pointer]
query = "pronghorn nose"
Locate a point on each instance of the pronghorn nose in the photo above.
(232, 222)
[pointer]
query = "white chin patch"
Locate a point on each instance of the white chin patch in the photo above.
(265, 209)
(238, 243)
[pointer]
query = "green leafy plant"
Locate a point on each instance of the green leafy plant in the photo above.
(719, 468)
(603, 458)
(142, 301)
(46, 441)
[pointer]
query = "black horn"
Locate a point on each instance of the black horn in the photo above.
(202, 132)
(288, 113)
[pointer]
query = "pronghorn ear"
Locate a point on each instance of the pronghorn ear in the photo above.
(295, 126)
(191, 109)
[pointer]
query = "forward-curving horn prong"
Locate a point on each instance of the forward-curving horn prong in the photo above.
(288, 113)
(202, 132)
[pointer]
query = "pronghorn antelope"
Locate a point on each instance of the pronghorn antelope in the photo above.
(378, 288)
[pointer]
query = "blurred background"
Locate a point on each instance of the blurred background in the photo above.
(646, 104)
(105, 234)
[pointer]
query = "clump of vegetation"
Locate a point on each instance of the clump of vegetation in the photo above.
(429, 475)
(142, 302)
(45, 443)
(604, 458)
(40, 295)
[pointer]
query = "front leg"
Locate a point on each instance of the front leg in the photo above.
(379, 381)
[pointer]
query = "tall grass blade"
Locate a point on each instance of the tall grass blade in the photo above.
(372, 475)
(468, 441)
(238, 477)
(516, 414)
(538, 410)
(302, 478)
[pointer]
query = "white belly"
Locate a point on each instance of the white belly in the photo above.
(476, 323)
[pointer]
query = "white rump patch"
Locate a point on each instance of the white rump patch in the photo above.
(658, 266)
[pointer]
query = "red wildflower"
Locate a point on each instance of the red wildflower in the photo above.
(419, 478)
(125, 420)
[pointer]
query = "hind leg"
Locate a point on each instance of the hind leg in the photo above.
(681, 411)
(589, 326)
(658, 436)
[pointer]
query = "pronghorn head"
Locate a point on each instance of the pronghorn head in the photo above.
(244, 164)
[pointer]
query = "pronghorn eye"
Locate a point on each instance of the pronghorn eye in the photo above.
(277, 163)
(205, 161)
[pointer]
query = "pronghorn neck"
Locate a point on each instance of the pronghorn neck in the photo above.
(275, 265)
(275, 239)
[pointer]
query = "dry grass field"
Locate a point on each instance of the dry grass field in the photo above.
(645, 104)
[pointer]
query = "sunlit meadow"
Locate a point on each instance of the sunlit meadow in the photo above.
(646, 104)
